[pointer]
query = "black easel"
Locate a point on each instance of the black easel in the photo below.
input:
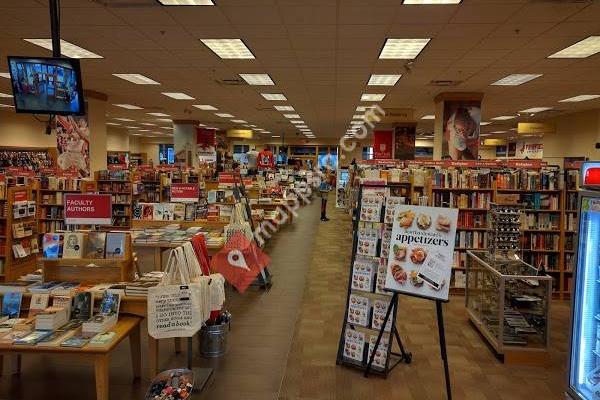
(442, 334)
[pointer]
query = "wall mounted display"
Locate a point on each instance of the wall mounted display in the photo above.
(461, 129)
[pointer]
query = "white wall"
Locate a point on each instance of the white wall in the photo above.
(576, 136)
(117, 140)
(23, 130)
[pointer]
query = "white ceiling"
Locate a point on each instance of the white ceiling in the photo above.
(320, 53)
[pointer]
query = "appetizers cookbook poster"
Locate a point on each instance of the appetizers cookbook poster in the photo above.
(421, 251)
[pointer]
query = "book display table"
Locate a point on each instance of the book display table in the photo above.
(127, 326)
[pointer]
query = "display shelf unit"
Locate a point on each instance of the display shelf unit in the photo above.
(119, 185)
(147, 187)
(50, 199)
(17, 212)
(569, 226)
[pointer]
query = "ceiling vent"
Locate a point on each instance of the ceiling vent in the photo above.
(442, 82)
(231, 82)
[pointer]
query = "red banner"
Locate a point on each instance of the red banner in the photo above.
(20, 195)
(88, 209)
(229, 178)
(168, 168)
(383, 142)
(206, 145)
(145, 168)
(184, 192)
(528, 164)
(116, 167)
(15, 171)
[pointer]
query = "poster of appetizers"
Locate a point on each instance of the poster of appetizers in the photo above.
(363, 274)
(421, 251)
(380, 353)
(370, 209)
(354, 345)
(358, 310)
(390, 207)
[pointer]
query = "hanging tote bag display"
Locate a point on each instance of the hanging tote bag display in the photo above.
(199, 245)
(238, 224)
(175, 306)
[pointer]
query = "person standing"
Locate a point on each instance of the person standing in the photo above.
(324, 189)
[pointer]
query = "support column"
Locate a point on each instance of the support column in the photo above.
(457, 124)
(96, 113)
(184, 139)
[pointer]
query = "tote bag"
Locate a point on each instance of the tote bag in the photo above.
(238, 224)
(175, 306)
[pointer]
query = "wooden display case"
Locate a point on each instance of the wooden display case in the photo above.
(15, 267)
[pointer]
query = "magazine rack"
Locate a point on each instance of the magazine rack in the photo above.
(79, 269)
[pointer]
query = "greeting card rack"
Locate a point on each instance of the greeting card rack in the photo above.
(370, 315)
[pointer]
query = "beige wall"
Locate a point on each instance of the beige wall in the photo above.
(576, 136)
(117, 140)
(23, 130)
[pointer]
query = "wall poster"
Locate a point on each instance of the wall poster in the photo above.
(421, 251)
(404, 142)
(382, 144)
(461, 129)
(73, 144)
(206, 143)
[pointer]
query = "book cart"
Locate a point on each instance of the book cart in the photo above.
(367, 303)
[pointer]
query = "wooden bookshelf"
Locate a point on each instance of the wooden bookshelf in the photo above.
(50, 199)
(569, 227)
(118, 184)
(19, 198)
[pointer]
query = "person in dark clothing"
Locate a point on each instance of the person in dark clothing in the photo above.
(324, 189)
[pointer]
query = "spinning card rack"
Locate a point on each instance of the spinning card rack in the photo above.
(392, 358)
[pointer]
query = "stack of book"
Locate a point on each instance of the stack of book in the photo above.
(51, 318)
(107, 316)
(140, 287)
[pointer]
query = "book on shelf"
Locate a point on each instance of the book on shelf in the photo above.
(77, 341)
(39, 302)
(52, 245)
(57, 337)
(44, 287)
(11, 304)
(95, 244)
(83, 305)
(19, 251)
(32, 338)
(102, 339)
(19, 286)
(73, 244)
(115, 245)
(65, 289)
(51, 318)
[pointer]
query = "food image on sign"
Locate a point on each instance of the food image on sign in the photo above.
(421, 251)
(370, 209)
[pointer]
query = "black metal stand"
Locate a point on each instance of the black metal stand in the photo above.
(442, 333)
(403, 356)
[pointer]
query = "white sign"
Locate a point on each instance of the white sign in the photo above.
(421, 251)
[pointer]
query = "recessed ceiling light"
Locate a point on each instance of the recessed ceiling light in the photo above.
(144, 130)
(131, 127)
(516, 79)
(147, 124)
(112, 123)
(205, 107)
(178, 96)
(301, 126)
(224, 115)
(239, 121)
(372, 97)
(485, 134)
(297, 121)
(504, 117)
(128, 106)
(582, 49)
(252, 125)
(429, 116)
(499, 132)
(164, 119)
(258, 79)
(536, 109)
(484, 123)
(136, 134)
(157, 114)
(5, 95)
(125, 119)
(419, 2)
(274, 96)
(67, 49)
(275, 136)
(168, 127)
(383, 80)
(402, 49)
(228, 48)
(291, 115)
(186, 2)
(138, 79)
(5, 75)
(284, 108)
(358, 116)
(581, 97)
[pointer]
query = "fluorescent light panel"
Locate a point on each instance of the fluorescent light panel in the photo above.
(178, 96)
(582, 49)
(205, 107)
(504, 117)
(112, 123)
(273, 96)
(284, 108)
(291, 115)
(157, 114)
(138, 79)
(536, 109)
(224, 115)
(128, 106)
(5, 75)
(297, 121)
(228, 48)
(257, 79)
(484, 123)
(428, 116)
(372, 97)
(383, 80)
(5, 95)
(125, 119)
(186, 2)
(66, 49)
(422, 2)
(516, 79)
(358, 116)
(581, 97)
(239, 121)
(147, 124)
(402, 49)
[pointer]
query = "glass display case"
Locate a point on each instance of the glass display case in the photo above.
(508, 301)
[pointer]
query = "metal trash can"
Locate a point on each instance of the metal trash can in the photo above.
(213, 340)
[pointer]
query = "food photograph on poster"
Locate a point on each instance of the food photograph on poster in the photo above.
(461, 129)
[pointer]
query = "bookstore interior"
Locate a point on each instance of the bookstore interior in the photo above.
(336, 198)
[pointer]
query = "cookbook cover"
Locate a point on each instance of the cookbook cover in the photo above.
(421, 251)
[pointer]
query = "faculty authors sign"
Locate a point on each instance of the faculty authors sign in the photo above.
(88, 209)
(184, 192)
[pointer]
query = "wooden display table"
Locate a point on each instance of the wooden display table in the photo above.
(127, 326)
(204, 223)
(160, 247)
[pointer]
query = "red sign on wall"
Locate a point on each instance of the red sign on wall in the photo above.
(382, 144)
(88, 209)
(184, 192)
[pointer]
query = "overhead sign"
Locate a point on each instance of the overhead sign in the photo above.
(421, 251)
(382, 144)
(88, 209)
(239, 133)
(184, 192)
(495, 142)
(535, 128)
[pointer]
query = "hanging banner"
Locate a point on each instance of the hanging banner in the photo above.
(73, 143)
(404, 142)
(206, 143)
(382, 144)
(88, 209)
(184, 192)
(535, 128)
(531, 150)
(461, 121)
(421, 251)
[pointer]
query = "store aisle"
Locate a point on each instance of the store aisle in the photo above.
(311, 372)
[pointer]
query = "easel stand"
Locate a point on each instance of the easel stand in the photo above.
(442, 333)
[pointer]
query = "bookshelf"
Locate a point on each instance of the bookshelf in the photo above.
(50, 198)
(19, 234)
(569, 226)
(118, 184)
(147, 187)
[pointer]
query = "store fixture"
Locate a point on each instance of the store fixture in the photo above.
(51, 201)
(118, 184)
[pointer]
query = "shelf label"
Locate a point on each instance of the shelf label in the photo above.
(184, 192)
(88, 209)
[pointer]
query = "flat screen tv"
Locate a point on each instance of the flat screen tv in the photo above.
(46, 85)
